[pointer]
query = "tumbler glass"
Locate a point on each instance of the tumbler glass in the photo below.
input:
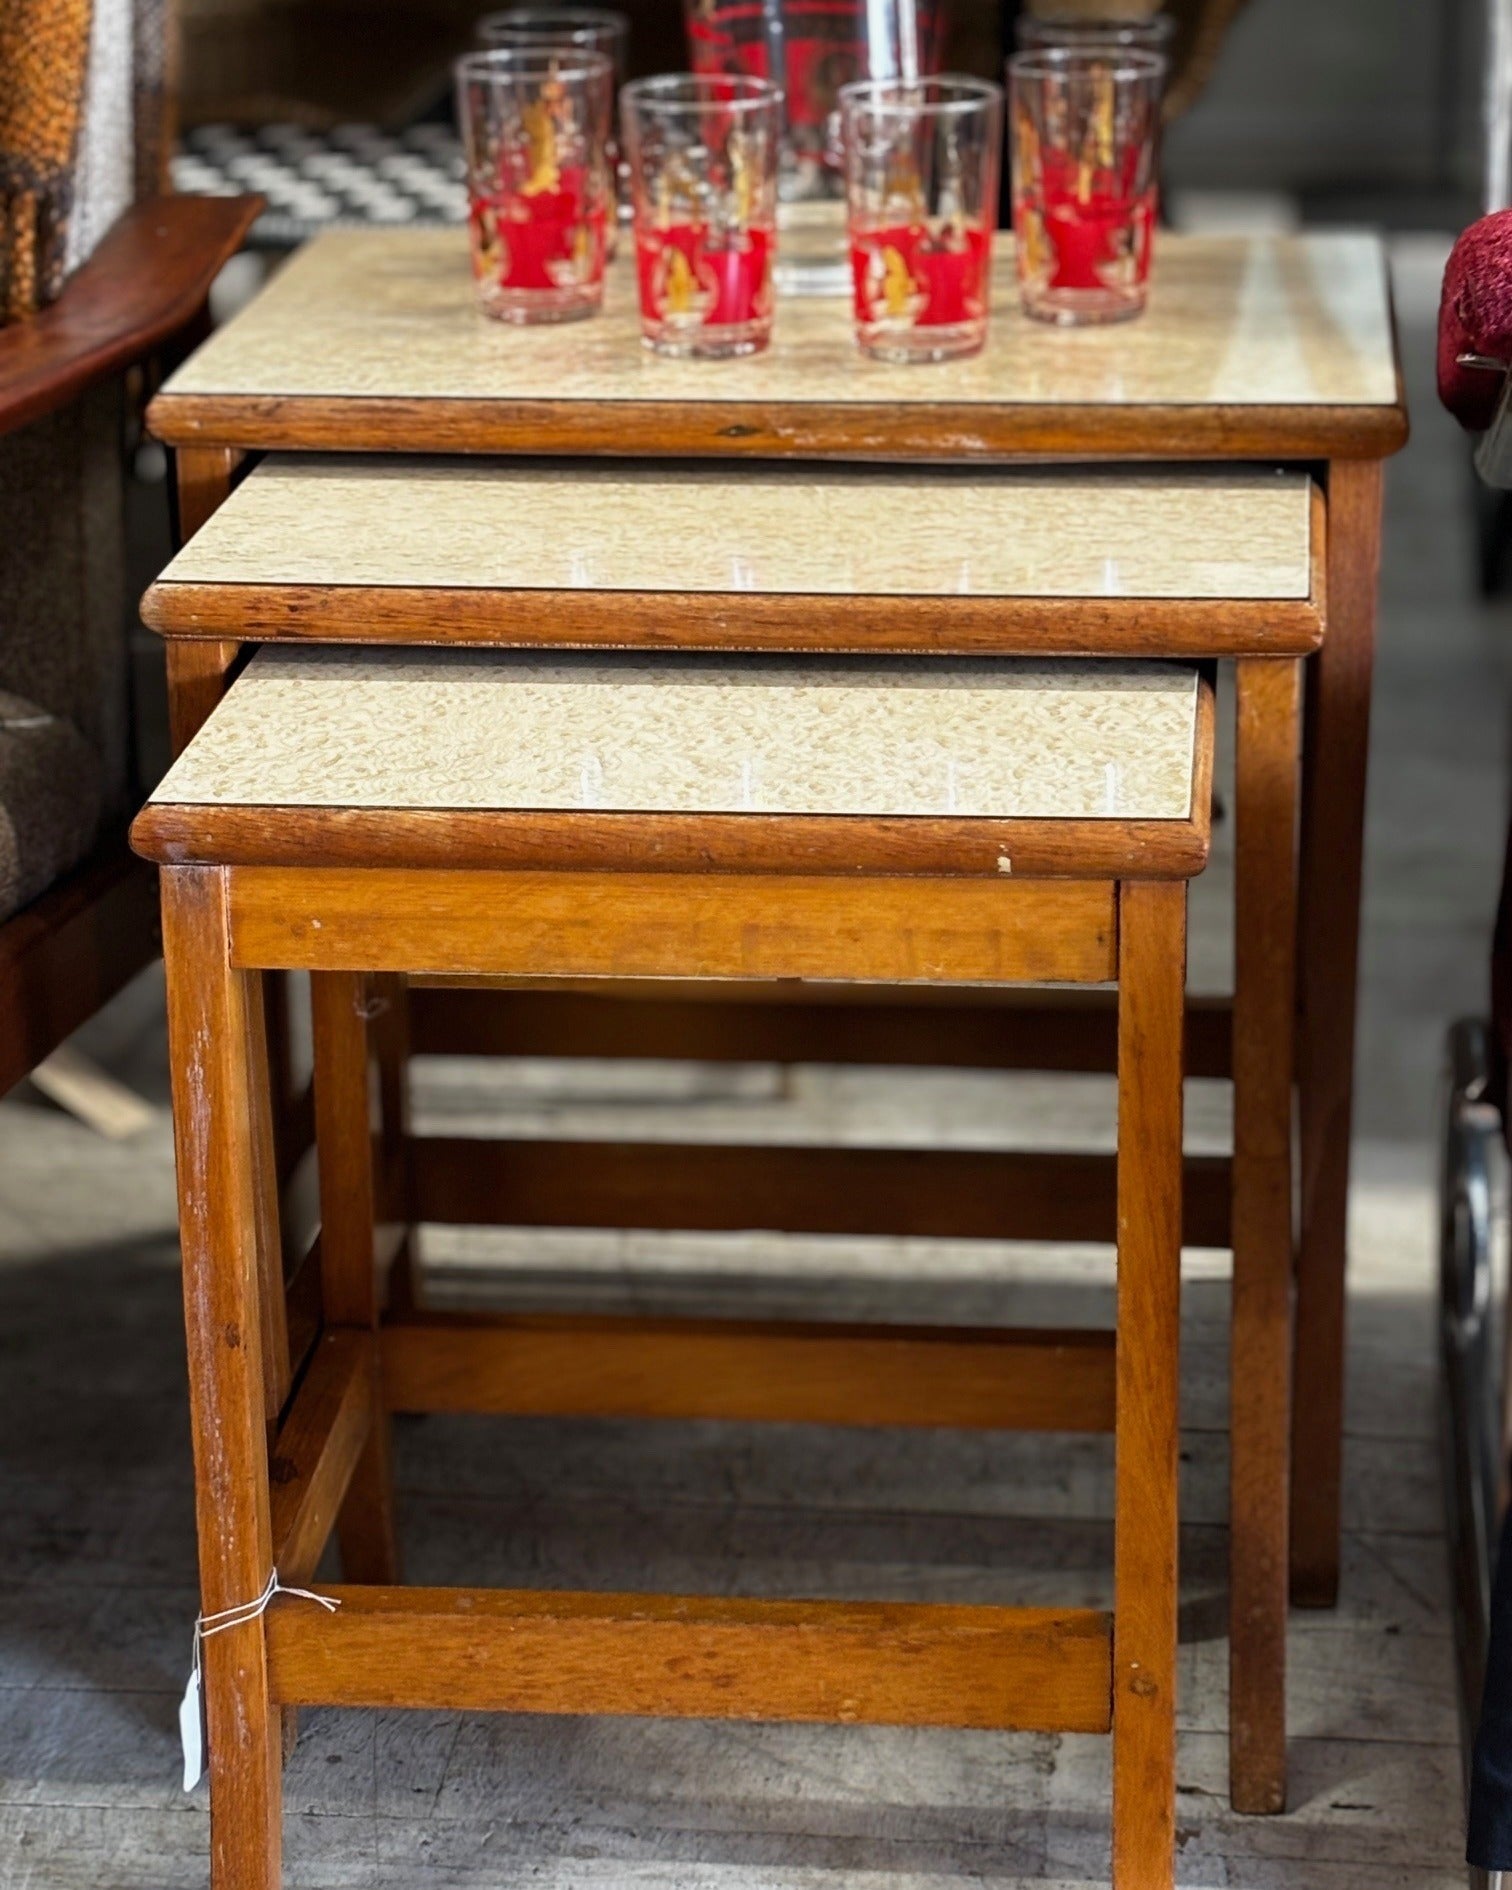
(535, 127)
(703, 176)
(569, 29)
(586, 29)
(1152, 33)
(921, 181)
(1086, 126)
(810, 49)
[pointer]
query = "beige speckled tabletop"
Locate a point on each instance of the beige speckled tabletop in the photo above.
(1198, 532)
(496, 729)
(389, 315)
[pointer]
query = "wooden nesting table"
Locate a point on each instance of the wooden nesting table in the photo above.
(1271, 360)
(1096, 778)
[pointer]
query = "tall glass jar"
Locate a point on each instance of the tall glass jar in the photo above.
(810, 48)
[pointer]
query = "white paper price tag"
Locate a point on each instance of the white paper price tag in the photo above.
(192, 1706)
(192, 1727)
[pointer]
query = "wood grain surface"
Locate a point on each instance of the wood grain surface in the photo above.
(529, 1651)
(752, 1372)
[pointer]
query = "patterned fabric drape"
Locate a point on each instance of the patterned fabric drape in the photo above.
(85, 130)
(44, 64)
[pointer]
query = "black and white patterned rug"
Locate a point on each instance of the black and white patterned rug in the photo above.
(350, 176)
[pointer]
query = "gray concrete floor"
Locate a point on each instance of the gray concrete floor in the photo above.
(96, 1544)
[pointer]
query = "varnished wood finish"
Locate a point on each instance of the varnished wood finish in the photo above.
(70, 951)
(390, 1035)
(859, 1663)
(734, 430)
(318, 1448)
(199, 674)
(989, 1029)
(1152, 983)
(217, 1077)
(341, 1010)
(930, 626)
(637, 925)
(420, 838)
(750, 1372)
(1260, 1332)
(145, 283)
(202, 482)
(302, 1298)
(945, 1194)
(278, 1377)
(1336, 745)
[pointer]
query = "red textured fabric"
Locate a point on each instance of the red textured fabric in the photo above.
(1475, 317)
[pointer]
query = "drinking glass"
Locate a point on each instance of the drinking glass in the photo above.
(1151, 34)
(703, 176)
(535, 127)
(921, 182)
(1086, 125)
(586, 29)
(811, 49)
(569, 29)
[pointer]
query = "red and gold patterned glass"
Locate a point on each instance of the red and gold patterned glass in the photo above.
(703, 177)
(564, 29)
(535, 128)
(811, 48)
(1086, 124)
(921, 183)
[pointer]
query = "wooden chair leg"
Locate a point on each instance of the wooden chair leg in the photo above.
(1338, 736)
(220, 1120)
(1152, 981)
(1260, 1346)
(344, 1007)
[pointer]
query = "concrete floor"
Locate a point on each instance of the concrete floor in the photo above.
(96, 1546)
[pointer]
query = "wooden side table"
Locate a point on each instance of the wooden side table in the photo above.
(1254, 350)
(851, 875)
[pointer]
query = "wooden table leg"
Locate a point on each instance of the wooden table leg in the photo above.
(202, 482)
(1333, 823)
(1151, 997)
(219, 1077)
(198, 671)
(344, 1008)
(1260, 1348)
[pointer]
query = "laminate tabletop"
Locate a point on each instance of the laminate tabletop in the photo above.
(370, 340)
(498, 731)
(377, 522)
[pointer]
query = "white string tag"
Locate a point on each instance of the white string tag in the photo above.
(192, 1706)
(192, 1725)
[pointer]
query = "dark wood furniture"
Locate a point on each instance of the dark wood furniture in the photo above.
(140, 296)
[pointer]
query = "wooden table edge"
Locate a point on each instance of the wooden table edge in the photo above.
(935, 624)
(922, 431)
(806, 846)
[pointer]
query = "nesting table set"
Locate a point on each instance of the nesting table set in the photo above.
(650, 674)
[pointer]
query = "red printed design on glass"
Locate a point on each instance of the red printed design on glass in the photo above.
(909, 277)
(689, 281)
(1088, 227)
(545, 226)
